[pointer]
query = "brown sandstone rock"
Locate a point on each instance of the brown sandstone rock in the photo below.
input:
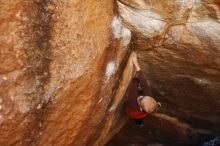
(159, 130)
(180, 60)
(63, 67)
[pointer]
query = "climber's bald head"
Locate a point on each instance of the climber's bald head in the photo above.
(147, 103)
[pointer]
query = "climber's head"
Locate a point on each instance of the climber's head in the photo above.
(147, 103)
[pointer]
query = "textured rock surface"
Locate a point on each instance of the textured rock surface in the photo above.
(179, 48)
(63, 68)
(154, 133)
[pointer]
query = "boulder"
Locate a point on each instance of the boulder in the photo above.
(65, 67)
(61, 71)
(178, 45)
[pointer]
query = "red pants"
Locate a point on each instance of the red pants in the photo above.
(133, 113)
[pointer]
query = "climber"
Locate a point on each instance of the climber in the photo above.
(138, 100)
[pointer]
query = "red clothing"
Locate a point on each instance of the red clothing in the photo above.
(132, 108)
(134, 114)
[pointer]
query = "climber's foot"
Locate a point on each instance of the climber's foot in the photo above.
(139, 122)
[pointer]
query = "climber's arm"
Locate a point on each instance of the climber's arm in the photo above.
(141, 77)
(143, 83)
(135, 62)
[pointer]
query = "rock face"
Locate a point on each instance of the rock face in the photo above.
(61, 66)
(159, 130)
(179, 48)
(65, 67)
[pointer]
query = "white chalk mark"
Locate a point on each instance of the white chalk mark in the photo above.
(110, 69)
(120, 32)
